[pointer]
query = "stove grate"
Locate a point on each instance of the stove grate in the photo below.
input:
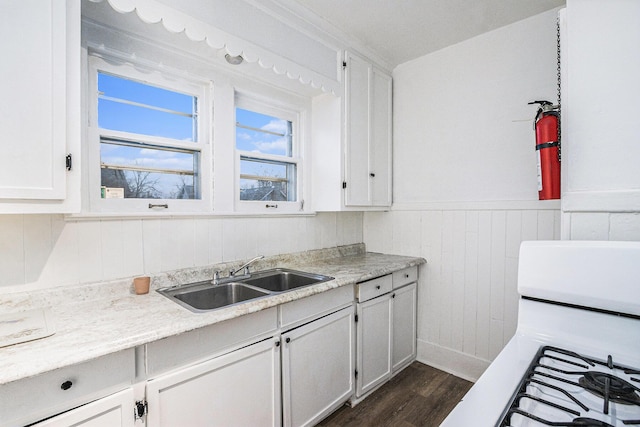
(604, 385)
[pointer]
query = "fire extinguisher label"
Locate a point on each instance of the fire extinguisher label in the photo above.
(539, 171)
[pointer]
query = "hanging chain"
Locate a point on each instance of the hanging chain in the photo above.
(559, 87)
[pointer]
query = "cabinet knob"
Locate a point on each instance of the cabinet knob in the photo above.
(372, 175)
(406, 276)
(288, 340)
(277, 343)
(393, 296)
(378, 287)
(66, 385)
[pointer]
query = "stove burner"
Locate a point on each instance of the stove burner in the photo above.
(620, 391)
(582, 421)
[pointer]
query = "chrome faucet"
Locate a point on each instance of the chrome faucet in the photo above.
(233, 273)
(246, 265)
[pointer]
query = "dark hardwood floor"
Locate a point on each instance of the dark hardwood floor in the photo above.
(418, 396)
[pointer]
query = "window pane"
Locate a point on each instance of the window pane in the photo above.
(146, 172)
(129, 106)
(267, 180)
(260, 133)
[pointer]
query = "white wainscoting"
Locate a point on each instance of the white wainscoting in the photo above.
(601, 225)
(40, 251)
(467, 295)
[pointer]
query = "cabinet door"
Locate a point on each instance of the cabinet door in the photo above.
(112, 411)
(404, 326)
(380, 143)
(33, 109)
(367, 134)
(241, 388)
(374, 343)
(317, 368)
(357, 98)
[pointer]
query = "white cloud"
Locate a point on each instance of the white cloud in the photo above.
(278, 126)
(278, 145)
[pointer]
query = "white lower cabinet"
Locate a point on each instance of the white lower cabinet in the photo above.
(404, 326)
(386, 328)
(111, 411)
(241, 388)
(374, 343)
(293, 378)
(317, 368)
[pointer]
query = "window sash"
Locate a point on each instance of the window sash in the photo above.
(285, 185)
(171, 183)
(290, 159)
(175, 110)
(195, 181)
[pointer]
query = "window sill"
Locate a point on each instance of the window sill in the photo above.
(93, 216)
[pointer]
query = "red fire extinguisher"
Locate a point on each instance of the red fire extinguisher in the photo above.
(548, 150)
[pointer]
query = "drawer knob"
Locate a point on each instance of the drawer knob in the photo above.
(406, 276)
(378, 287)
(66, 385)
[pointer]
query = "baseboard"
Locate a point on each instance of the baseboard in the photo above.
(460, 364)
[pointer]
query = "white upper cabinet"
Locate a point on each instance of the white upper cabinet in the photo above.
(352, 141)
(39, 113)
(368, 134)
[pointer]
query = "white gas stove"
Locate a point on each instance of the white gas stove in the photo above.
(575, 357)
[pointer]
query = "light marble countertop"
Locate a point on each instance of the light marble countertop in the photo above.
(98, 319)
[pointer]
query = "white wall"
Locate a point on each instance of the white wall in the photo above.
(465, 189)
(40, 251)
(462, 126)
(600, 126)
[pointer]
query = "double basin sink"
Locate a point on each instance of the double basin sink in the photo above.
(204, 296)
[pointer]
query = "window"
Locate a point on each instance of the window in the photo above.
(269, 162)
(148, 141)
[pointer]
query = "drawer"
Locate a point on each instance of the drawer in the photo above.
(373, 288)
(304, 310)
(31, 399)
(405, 276)
(194, 346)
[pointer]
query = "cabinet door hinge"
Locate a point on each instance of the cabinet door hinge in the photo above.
(344, 184)
(68, 162)
(140, 409)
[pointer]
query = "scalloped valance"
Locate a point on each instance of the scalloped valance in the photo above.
(175, 21)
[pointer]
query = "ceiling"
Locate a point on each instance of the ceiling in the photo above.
(401, 30)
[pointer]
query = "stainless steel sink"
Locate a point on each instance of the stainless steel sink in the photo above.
(204, 296)
(199, 297)
(283, 280)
